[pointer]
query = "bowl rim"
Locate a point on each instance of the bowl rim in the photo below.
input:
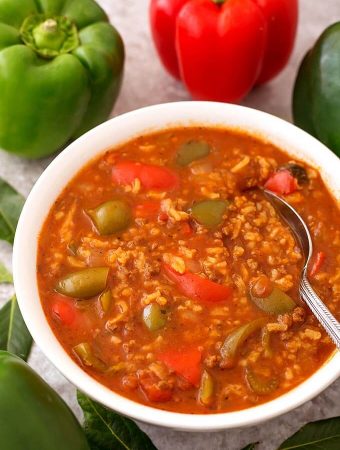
(94, 143)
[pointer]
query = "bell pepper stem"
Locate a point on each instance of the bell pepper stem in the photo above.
(49, 37)
(50, 25)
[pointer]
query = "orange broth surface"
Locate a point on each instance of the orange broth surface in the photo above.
(178, 289)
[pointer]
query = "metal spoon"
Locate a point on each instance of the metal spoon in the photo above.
(307, 293)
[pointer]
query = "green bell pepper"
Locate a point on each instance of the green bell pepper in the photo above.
(316, 98)
(259, 385)
(206, 389)
(234, 341)
(32, 415)
(85, 283)
(269, 297)
(192, 151)
(209, 212)
(61, 66)
(111, 217)
(154, 317)
(85, 353)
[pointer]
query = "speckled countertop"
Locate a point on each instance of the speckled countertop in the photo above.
(147, 83)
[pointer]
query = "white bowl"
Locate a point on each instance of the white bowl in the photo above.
(111, 134)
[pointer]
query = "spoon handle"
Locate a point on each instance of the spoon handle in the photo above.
(320, 310)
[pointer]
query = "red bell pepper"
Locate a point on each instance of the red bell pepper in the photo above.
(186, 229)
(163, 217)
(64, 310)
(150, 176)
(221, 49)
(153, 392)
(185, 362)
(195, 287)
(147, 209)
(317, 263)
(282, 183)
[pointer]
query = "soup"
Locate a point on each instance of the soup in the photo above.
(169, 278)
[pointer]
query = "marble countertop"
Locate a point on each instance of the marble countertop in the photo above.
(146, 83)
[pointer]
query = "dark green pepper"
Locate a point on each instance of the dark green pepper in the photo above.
(32, 415)
(111, 217)
(61, 65)
(316, 99)
(266, 343)
(191, 151)
(259, 385)
(269, 297)
(297, 171)
(206, 389)
(85, 283)
(236, 338)
(85, 353)
(153, 317)
(105, 301)
(209, 212)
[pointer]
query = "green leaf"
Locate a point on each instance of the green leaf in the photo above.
(11, 203)
(250, 446)
(107, 430)
(323, 434)
(5, 275)
(14, 335)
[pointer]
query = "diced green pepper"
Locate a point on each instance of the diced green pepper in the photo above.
(191, 151)
(269, 297)
(153, 317)
(298, 172)
(105, 300)
(119, 367)
(236, 338)
(85, 354)
(267, 348)
(111, 217)
(259, 385)
(209, 212)
(206, 389)
(85, 283)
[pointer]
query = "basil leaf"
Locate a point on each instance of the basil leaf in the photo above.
(11, 203)
(323, 434)
(250, 446)
(107, 430)
(14, 335)
(5, 275)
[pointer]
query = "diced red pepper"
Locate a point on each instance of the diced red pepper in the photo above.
(198, 288)
(150, 176)
(163, 217)
(64, 310)
(147, 209)
(186, 229)
(185, 362)
(281, 182)
(152, 390)
(319, 260)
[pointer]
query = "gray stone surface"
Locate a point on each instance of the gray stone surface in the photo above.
(147, 83)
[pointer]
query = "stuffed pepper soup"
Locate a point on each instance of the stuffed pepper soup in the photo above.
(169, 278)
